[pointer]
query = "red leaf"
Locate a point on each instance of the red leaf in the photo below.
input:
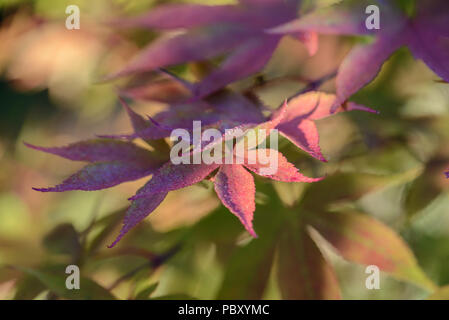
(235, 188)
(285, 171)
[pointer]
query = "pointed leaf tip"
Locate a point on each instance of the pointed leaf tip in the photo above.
(236, 189)
(138, 211)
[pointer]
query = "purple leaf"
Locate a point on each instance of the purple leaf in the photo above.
(180, 116)
(196, 15)
(137, 121)
(434, 14)
(101, 176)
(246, 60)
(165, 91)
(172, 177)
(363, 64)
(236, 107)
(426, 44)
(103, 151)
(174, 16)
(138, 211)
(236, 190)
(191, 46)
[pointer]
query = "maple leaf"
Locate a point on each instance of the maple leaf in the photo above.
(426, 34)
(116, 161)
(235, 30)
(233, 183)
(234, 186)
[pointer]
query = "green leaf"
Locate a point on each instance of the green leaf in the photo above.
(426, 187)
(109, 223)
(63, 239)
(303, 273)
(28, 288)
(145, 293)
(362, 239)
(89, 290)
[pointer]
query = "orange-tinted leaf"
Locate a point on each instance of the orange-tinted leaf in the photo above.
(362, 239)
(303, 272)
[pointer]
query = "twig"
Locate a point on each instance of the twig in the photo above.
(154, 262)
(314, 85)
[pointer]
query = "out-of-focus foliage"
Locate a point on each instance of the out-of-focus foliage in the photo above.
(384, 200)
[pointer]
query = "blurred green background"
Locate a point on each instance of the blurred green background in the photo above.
(388, 166)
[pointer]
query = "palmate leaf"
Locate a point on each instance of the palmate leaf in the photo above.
(361, 239)
(303, 273)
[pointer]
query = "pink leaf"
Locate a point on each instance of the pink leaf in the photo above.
(236, 190)
(304, 134)
(298, 125)
(285, 171)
